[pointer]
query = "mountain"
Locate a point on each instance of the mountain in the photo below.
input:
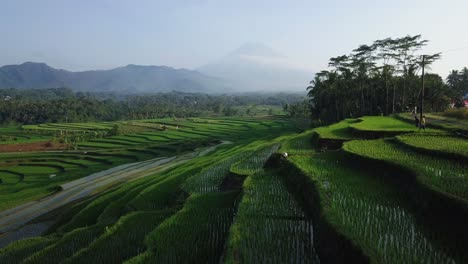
(128, 79)
(256, 67)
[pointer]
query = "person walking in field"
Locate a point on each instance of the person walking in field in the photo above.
(423, 123)
(416, 121)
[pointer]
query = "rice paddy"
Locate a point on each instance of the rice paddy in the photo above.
(387, 193)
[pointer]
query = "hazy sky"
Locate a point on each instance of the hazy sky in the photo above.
(94, 34)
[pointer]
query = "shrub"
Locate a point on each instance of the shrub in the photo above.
(460, 113)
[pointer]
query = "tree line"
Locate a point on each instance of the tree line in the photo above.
(35, 106)
(383, 78)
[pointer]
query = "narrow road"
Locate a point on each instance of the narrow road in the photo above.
(16, 217)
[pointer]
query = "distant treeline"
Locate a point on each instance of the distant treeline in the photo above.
(34, 106)
(383, 78)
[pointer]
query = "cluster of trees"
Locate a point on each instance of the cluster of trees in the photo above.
(457, 81)
(300, 109)
(379, 79)
(63, 105)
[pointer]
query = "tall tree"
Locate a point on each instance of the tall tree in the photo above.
(404, 53)
(361, 83)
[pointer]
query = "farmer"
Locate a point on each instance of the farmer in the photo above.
(423, 123)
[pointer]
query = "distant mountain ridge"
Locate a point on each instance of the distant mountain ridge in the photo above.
(252, 67)
(127, 79)
(257, 67)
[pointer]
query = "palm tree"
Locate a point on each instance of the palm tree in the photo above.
(464, 80)
(453, 79)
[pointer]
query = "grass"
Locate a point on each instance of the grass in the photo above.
(366, 210)
(460, 113)
(339, 130)
(439, 174)
(104, 222)
(195, 234)
(439, 120)
(270, 225)
(254, 162)
(382, 126)
(17, 251)
(298, 145)
(6, 139)
(123, 240)
(191, 213)
(66, 246)
(210, 179)
(437, 143)
(102, 153)
(378, 123)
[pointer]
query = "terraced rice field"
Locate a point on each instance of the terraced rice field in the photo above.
(340, 130)
(437, 143)
(443, 175)
(383, 195)
(30, 176)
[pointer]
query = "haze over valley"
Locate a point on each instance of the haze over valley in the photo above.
(252, 67)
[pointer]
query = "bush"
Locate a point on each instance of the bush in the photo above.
(460, 113)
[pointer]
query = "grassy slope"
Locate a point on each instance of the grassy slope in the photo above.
(362, 205)
(440, 174)
(339, 130)
(131, 206)
(440, 121)
(436, 143)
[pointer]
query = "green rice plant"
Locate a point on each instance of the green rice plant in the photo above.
(17, 251)
(440, 174)
(41, 181)
(66, 246)
(298, 145)
(211, 178)
(339, 130)
(270, 226)
(114, 141)
(162, 194)
(383, 126)
(437, 143)
(88, 216)
(363, 215)
(20, 138)
(439, 120)
(131, 139)
(36, 169)
(266, 196)
(10, 177)
(368, 212)
(254, 162)
(195, 234)
(383, 123)
(117, 208)
(98, 145)
(121, 241)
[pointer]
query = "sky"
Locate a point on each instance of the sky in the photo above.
(103, 34)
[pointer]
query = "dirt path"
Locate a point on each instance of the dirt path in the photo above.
(14, 218)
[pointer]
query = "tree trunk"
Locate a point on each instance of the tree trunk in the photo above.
(393, 100)
(337, 110)
(403, 96)
(362, 101)
(386, 96)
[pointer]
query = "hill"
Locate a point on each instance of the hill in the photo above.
(128, 79)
